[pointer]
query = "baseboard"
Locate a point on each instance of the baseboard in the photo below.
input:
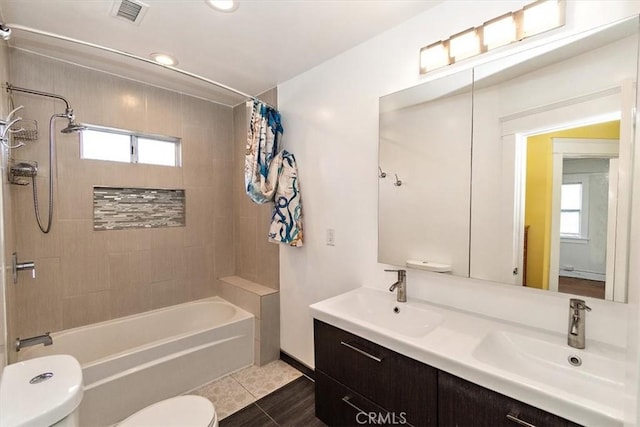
(298, 365)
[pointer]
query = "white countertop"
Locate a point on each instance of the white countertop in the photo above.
(456, 342)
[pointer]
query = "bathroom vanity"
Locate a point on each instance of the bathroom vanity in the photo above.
(352, 373)
(380, 361)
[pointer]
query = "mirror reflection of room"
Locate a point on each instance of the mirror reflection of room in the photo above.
(586, 181)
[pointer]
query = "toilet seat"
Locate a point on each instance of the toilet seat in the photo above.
(181, 411)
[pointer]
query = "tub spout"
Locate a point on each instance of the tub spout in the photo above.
(28, 342)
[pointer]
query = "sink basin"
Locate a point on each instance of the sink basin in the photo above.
(598, 376)
(379, 310)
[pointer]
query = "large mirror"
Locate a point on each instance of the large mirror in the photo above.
(517, 171)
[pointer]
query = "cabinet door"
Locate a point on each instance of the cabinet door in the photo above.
(337, 405)
(461, 403)
(403, 386)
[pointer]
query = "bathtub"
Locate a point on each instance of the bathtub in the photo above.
(134, 361)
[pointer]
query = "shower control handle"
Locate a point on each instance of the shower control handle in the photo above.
(21, 266)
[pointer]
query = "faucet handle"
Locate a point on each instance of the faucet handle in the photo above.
(578, 304)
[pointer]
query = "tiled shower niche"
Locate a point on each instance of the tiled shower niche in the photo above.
(118, 208)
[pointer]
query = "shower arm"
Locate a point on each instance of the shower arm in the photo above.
(138, 58)
(12, 88)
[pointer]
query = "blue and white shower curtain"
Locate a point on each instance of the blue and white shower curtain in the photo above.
(272, 175)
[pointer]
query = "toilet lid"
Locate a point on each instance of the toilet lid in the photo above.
(181, 411)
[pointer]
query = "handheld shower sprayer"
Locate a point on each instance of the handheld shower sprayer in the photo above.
(72, 126)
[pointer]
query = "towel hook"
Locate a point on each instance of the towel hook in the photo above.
(381, 174)
(4, 140)
(398, 183)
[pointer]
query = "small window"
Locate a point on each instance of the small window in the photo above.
(573, 210)
(116, 145)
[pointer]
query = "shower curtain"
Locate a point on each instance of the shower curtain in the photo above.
(272, 175)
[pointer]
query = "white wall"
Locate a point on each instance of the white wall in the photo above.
(331, 124)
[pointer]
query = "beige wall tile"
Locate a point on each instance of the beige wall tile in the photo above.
(25, 69)
(79, 238)
(223, 189)
(268, 271)
(256, 353)
(127, 240)
(86, 309)
(222, 134)
(270, 334)
(125, 302)
(129, 270)
(246, 248)
(166, 237)
(83, 273)
(161, 176)
(224, 248)
(199, 229)
(38, 301)
(248, 301)
(167, 264)
(197, 156)
(168, 292)
(197, 111)
(227, 291)
(162, 109)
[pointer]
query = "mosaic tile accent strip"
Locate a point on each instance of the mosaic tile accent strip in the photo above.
(123, 208)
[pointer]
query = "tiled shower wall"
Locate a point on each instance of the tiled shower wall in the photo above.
(256, 258)
(86, 276)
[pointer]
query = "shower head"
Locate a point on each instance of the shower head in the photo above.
(73, 126)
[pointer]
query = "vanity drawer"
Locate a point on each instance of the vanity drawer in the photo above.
(461, 403)
(337, 405)
(395, 382)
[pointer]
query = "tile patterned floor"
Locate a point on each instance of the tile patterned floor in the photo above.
(236, 391)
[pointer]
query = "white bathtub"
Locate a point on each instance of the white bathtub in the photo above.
(134, 361)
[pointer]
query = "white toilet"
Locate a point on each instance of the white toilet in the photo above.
(47, 391)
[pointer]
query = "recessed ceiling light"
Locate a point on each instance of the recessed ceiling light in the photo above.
(164, 58)
(223, 5)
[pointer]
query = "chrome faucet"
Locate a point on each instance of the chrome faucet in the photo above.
(576, 335)
(28, 342)
(401, 284)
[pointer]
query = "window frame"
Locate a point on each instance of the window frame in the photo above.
(133, 144)
(583, 180)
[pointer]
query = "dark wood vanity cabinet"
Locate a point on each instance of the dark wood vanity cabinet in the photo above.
(353, 373)
(359, 382)
(461, 403)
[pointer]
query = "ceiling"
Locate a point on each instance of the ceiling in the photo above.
(261, 44)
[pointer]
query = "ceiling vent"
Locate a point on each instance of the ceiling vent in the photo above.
(130, 10)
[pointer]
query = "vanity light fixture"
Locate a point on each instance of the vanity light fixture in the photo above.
(223, 5)
(464, 45)
(164, 58)
(434, 56)
(499, 32)
(533, 19)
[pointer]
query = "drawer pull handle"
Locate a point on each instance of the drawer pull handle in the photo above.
(515, 419)
(364, 353)
(347, 400)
